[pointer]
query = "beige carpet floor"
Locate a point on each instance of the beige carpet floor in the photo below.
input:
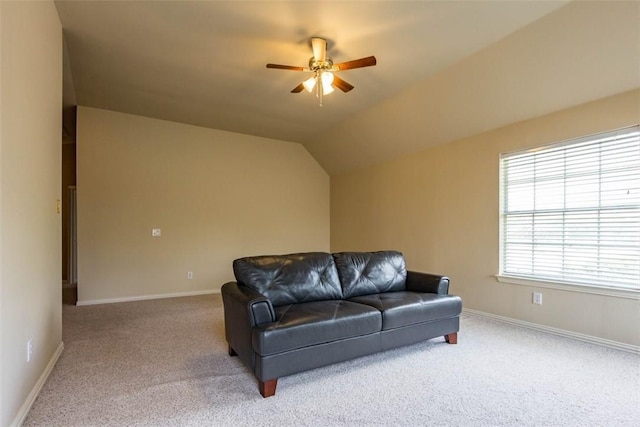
(165, 363)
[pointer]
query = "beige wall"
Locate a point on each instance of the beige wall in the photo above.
(215, 195)
(440, 207)
(30, 138)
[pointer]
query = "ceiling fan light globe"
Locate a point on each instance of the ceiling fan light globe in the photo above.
(327, 78)
(327, 88)
(309, 84)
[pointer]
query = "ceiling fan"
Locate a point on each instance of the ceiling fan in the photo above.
(323, 69)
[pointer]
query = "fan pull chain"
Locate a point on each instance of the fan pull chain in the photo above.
(319, 91)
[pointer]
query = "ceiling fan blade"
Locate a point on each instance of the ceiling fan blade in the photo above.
(298, 88)
(356, 63)
(341, 84)
(319, 46)
(285, 67)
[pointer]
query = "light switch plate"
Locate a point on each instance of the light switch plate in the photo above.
(156, 232)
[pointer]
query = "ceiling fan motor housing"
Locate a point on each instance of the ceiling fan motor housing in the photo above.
(315, 65)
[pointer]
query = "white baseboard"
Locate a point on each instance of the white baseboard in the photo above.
(556, 331)
(146, 297)
(26, 406)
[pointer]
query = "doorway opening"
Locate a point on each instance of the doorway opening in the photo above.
(69, 212)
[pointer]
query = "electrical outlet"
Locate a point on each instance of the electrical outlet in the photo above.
(190, 275)
(156, 232)
(537, 298)
(29, 350)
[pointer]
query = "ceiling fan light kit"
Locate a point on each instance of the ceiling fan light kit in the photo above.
(324, 80)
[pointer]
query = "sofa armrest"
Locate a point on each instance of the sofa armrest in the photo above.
(243, 309)
(255, 306)
(429, 283)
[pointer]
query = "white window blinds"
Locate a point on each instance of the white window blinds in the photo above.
(571, 212)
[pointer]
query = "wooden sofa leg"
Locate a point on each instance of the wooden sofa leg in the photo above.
(268, 388)
(232, 352)
(451, 338)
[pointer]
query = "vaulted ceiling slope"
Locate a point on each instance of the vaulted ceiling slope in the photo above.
(579, 53)
(445, 69)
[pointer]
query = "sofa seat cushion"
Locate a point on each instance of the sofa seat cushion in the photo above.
(307, 324)
(405, 308)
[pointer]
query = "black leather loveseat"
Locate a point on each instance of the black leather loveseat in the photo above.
(290, 313)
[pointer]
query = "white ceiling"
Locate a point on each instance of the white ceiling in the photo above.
(203, 63)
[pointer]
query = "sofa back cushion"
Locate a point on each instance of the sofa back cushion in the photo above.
(365, 273)
(289, 279)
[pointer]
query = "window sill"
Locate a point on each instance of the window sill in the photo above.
(585, 289)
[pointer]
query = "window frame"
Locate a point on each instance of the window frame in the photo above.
(545, 282)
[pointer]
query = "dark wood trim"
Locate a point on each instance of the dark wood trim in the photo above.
(268, 388)
(451, 338)
(232, 352)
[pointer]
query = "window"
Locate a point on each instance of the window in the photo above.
(570, 212)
